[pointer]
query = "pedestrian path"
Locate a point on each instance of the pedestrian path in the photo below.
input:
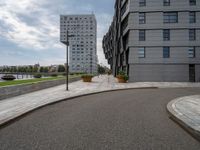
(186, 111)
(14, 107)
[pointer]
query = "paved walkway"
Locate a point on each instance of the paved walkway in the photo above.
(16, 106)
(186, 111)
(121, 120)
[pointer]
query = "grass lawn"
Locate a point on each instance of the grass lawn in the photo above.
(32, 81)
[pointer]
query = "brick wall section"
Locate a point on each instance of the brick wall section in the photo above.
(11, 91)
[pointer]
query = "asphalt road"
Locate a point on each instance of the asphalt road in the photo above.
(123, 120)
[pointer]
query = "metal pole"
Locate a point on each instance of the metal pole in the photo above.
(67, 68)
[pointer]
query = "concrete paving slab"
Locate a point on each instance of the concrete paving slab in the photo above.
(186, 111)
(14, 107)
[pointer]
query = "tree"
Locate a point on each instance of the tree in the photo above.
(101, 69)
(41, 69)
(46, 69)
(30, 68)
(61, 68)
(35, 69)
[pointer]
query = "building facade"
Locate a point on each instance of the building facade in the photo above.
(82, 31)
(155, 40)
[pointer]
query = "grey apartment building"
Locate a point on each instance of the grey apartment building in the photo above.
(82, 31)
(155, 40)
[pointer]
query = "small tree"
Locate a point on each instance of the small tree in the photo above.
(61, 68)
(46, 69)
(101, 69)
(41, 69)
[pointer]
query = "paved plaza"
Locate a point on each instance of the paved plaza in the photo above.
(122, 120)
(186, 111)
(17, 106)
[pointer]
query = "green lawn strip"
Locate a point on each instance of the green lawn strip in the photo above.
(32, 81)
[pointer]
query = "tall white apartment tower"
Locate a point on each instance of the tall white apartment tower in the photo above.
(82, 31)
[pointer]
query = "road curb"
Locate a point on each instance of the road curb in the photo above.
(9, 121)
(176, 117)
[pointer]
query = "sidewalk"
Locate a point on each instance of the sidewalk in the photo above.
(17, 106)
(186, 111)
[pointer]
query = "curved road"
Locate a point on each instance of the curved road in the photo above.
(123, 120)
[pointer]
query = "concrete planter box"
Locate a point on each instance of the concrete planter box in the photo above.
(87, 79)
(121, 79)
(11, 91)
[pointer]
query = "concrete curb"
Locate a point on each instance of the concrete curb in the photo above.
(8, 121)
(180, 119)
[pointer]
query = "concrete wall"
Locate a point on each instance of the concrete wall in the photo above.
(157, 5)
(155, 38)
(159, 73)
(11, 91)
(155, 55)
(197, 69)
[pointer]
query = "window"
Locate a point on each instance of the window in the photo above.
(141, 52)
(142, 18)
(192, 34)
(166, 35)
(124, 8)
(192, 17)
(166, 52)
(192, 2)
(142, 2)
(141, 35)
(191, 52)
(170, 17)
(166, 2)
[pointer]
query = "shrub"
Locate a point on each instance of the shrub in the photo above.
(8, 77)
(87, 76)
(37, 76)
(54, 75)
(122, 75)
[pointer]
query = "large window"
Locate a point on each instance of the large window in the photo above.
(166, 52)
(192, 34)
(141, 35)
(170, 17)
(191, 52)
(142, 18)
(192, 2)
(124, 8)
(141, 52)
(166, 2)
(142, 2)
(192, 17)
(166, 35)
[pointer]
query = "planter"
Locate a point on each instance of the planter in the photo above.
(121, 79)
(87, 79)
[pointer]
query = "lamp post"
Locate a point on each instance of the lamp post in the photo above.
(67, 67)
(67, 61)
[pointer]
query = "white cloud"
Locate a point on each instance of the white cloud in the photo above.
(42, 36)
(34, 25)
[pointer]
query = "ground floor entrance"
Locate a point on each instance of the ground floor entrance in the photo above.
(192, 73)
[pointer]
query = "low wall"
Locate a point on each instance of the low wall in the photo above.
(11, 91)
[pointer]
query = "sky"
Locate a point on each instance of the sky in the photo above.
(29, 29)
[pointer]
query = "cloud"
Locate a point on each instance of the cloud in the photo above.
(34, 25)
(37, 32)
